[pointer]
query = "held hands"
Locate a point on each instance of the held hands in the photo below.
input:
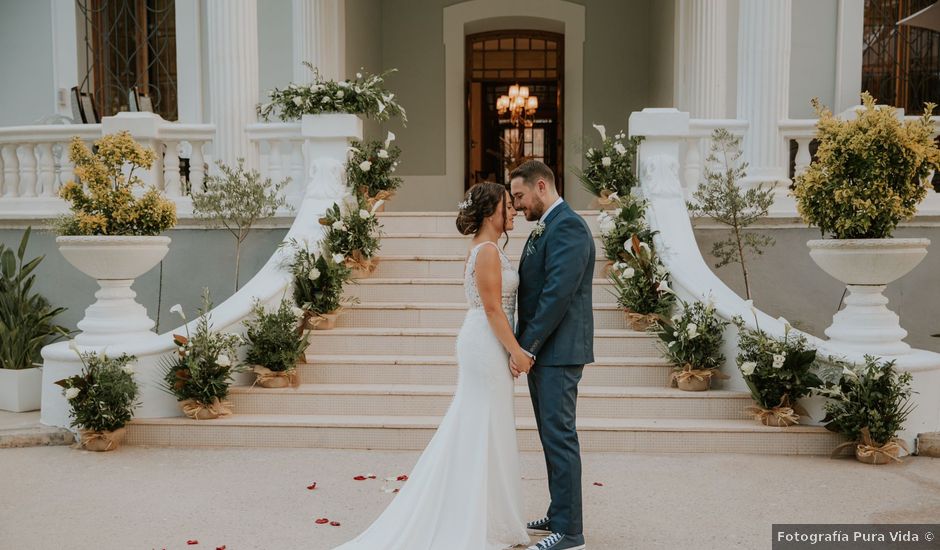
(520, 362)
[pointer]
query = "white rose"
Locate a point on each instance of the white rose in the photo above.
(314, 274)
(339, 225)
(606, 224)
(747, 368)
(364, 214)
(223, 361)
(383, 154)
(620, 148)
(325, 99)
(628, 273)
(778, 360)
(72, 393)
(605, 161)
(692, 330)
(358, 75)
(298, 101)
(340, 94)
(338, 258)
(365, 165)
(128, 369)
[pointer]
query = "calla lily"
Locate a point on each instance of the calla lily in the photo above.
(601, 130)
(389, 139)
(178, 309)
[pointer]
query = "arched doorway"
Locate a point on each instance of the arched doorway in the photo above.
(498, 65)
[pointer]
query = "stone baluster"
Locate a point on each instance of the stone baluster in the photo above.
(275, 160)
(692, 174)
(197, 167)
(803, 157)
(11, 171)
(171, 169)
(46, 170)
(27, 155)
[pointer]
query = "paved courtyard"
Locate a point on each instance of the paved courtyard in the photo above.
(139, 497)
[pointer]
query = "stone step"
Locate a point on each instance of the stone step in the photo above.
(442, 370)
(412, 433)
(437, 290)
(445, 222)
(443, 266)
(443, 315)
(386, 341)
(430, 400)
(456, 244)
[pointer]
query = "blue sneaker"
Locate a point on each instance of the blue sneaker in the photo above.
(540, 525)
(558, 541)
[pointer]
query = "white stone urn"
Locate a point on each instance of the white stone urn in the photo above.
(867, 266)
(114, 261)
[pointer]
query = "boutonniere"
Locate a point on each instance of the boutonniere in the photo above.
(536, 233)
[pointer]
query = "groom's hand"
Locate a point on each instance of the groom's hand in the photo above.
(512, 368)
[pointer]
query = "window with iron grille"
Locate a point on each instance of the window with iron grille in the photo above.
(129, 43)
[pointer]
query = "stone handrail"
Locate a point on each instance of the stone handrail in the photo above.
(664, 132)
(280, 150)
(327, 138)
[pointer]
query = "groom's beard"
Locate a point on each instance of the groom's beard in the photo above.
(534, 213)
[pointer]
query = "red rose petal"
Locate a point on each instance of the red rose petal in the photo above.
(192, 542)
(371, 476)
(334, 523)
(360, 478)
(321, 521)
(395, 491)
(598, 484)
(312, 487)
(220, 547)
(403, 477)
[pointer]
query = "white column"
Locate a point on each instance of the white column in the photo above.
(189, 61)
(704, 59)
(764, 87)
(319, 37)
(849, 52)
(233, 77)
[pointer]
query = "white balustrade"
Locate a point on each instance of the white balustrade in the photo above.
(665, 132)
(280, 149)
(698, 143)
(326, 140)
(34, 160)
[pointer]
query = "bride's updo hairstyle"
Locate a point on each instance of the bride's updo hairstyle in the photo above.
(481, 202)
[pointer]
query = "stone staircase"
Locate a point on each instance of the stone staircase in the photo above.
(384, 377)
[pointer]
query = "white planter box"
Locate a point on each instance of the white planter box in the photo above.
(20, 390)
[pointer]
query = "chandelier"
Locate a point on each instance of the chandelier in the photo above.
(520, 105)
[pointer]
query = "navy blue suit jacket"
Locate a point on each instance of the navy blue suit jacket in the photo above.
(556, 310)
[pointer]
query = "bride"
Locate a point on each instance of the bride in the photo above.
(465, 492)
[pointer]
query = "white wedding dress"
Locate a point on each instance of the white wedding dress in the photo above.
(465, 491)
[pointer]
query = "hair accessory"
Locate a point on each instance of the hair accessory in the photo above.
(467, 203)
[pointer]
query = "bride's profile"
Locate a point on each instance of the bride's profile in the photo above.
(464, 493)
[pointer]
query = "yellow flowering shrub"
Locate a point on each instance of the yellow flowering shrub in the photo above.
(869, 174)
(103, 203)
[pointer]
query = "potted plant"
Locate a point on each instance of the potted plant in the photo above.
(353, 232)
(870, 174)
(777, 372)
(608, 170)
(276, 341)
(692, 340)
(200, 372)
(318, 285)
(869, 405)
(27, 323)
(618, 225)
(641, 285)
(102, 399)
(370, 171)
(111, 234)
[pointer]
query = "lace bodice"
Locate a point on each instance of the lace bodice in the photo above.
(510, 281)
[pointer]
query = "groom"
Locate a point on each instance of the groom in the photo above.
(556, 329)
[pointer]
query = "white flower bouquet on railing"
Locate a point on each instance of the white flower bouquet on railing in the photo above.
(365, 95)
(370, 170)
(608, 170)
